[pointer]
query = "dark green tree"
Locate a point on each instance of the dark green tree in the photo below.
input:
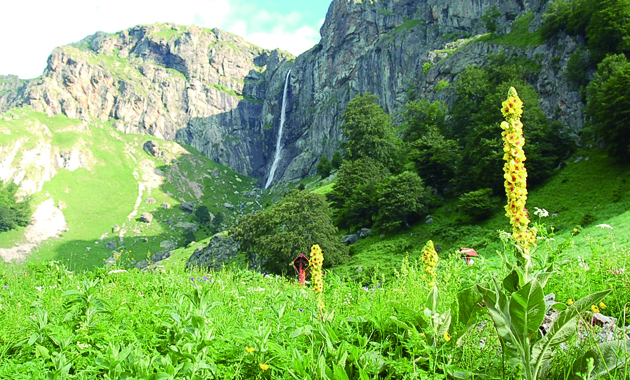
(274, 237)
(609, 28)
(608, 105)
(202, 214)
(477, 204)
(324, 167)
(353, 192)
(13, 213)
(401, 199)
(435, 159)
(369, 133)
(421, 117)
(337, 160)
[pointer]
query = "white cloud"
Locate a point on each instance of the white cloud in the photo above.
(28, 40)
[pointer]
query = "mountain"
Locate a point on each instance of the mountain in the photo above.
(223, 96)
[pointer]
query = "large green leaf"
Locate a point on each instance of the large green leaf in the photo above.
(467, 300)
(433, 300)
(527, 310)
(607, 357)
(585, 302)
(499, 318)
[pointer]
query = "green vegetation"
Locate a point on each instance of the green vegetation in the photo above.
(13, 212)
(608, 103)
(324, 167)
(490, 18)
(225, 90)
(273, 237)
(519, 35)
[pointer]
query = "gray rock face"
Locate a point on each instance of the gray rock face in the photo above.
(222, 95)
(220, 249)
(364, 232)
(151, 148)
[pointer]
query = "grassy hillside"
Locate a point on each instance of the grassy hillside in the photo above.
(108, 182)
(590, 189)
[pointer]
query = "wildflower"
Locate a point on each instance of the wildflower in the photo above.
(192, 279)
(515, 173)
(431, 284)
(575, 230)
(594, 309)
(249, 349)
(300, 309)
(602, 305)
(264, 366)
(316, 261)
(447, 337)
(429, 260)
(570, 302)
(541, 212)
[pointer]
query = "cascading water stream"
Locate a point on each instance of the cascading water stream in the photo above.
(276, 159)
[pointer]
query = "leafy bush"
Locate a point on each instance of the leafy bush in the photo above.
(477, 204)
(401, 199)
(490, 18)
(324, 167)
(13, 213)
(608, 102)
(274, 237)
(337, 160)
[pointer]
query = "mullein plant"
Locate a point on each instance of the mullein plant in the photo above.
(516, 176)
(517, 305)
(317, 275)
(429, 261)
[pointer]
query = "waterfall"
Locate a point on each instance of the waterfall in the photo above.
(276, 159)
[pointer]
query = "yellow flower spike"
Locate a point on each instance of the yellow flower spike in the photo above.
(316, 261)
(250, 349)
(430, 260)
(602, 305)
(447, 337)
(594, 309)
(264, 366)
(515, 172)
(570, 302)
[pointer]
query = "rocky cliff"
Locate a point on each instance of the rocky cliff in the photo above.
(222, 95)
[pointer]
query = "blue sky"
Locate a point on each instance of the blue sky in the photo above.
(31, 29)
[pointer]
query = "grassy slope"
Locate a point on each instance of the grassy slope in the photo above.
(582, 195)
(104, 195)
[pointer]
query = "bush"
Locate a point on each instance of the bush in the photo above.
(324, 167)
(13, 214)
(274, 237)
(477, 204)
(337, 160)
(401, 199)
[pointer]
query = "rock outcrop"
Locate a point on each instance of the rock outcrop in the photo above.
(223, 95)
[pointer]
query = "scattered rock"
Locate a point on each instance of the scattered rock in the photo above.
(146, 217)
(187, 226)
(150, 201)
(429, 220)
(115, 229)
(215, 172)
(350, 239)
(159, 256)
(166, 206)
(275, 200)
(152, 148)
(220, 249)
(228, 205)
(188, 207)
(110, 245)
(141, 264)
(168, 245)
(364, 232)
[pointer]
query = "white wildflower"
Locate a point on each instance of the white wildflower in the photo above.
(541, 212)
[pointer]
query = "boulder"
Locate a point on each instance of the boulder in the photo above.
(166, 206)
(115, 229)
(220, 249)
(159, 256)
(350, 239)
(168, 245)
(228, 205)
(187, 226)
(152, 148)
(146, 217)
(364, 232)
(150, 201)
(188, 207)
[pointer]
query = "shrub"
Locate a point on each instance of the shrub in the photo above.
(478, 204)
